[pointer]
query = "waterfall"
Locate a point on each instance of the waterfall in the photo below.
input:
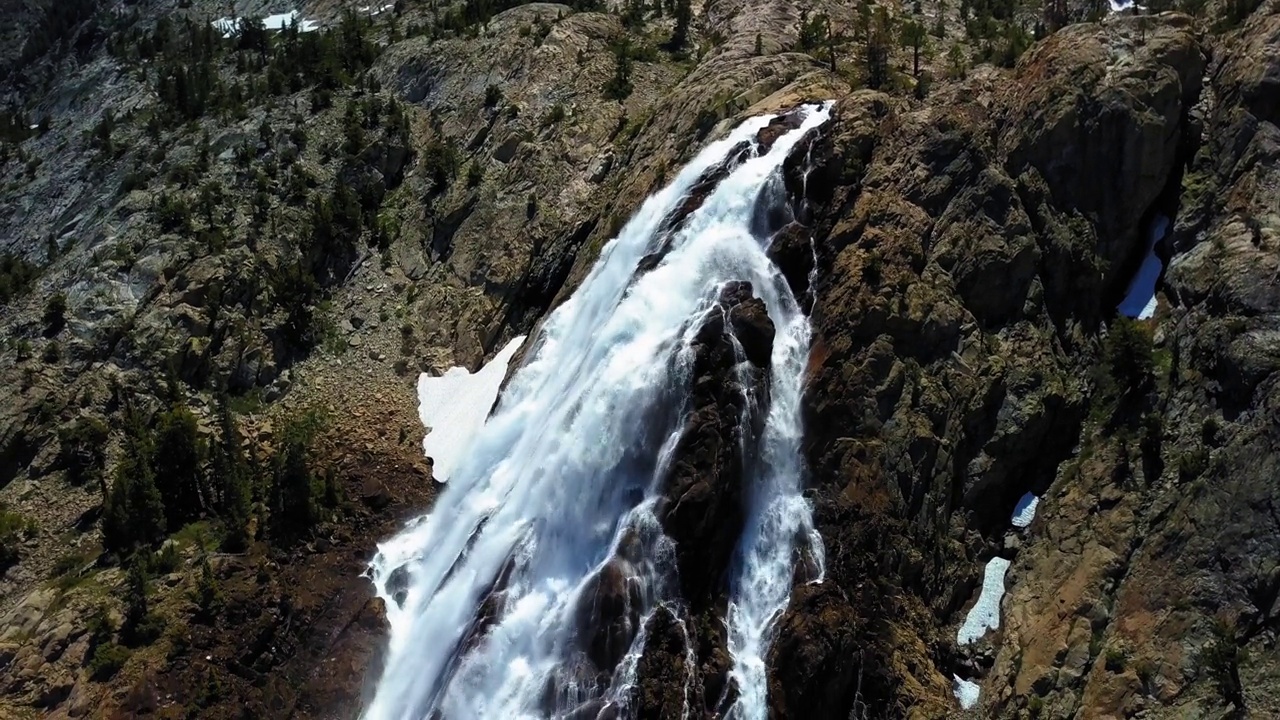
(555, 502)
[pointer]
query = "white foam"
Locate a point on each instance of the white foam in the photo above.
(966, 692)
(985, 613)
(1140, 300)
(454, 406)
(1025, 511)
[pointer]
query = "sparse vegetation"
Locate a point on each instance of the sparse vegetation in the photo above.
(619, 86)
(55, 315)
(16, 275)
(14, 529)
(1116, 659)
(83, 449)
(1222, 658)
(107, 659)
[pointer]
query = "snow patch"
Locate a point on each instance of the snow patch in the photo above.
(1025, 511)
(455, 405)
(1140, 301)
(230, 26)
(966, 692)
(985, 613)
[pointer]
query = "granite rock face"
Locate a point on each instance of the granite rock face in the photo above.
(961, 254)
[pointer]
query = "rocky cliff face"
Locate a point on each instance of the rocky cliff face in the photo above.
(961, 252)
(969, 259)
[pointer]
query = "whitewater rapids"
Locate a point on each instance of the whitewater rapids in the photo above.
(481, 594)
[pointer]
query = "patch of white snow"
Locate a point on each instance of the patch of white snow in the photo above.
(229, 25)
(455, 405)
(985, 613)
(1025, 511)
(1140, 301)
(966, 692)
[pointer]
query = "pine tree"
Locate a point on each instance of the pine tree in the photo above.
(293, 498)
(879, 36)
(133, 512)
(914, 36)
(957, 63)
(619, 87)
(178, 458)
(141, 626)
(231, 477)
(207, 596)
(683, 16)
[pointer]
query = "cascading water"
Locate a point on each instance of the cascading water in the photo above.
(557, 496)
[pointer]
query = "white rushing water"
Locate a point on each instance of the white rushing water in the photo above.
(483, 594)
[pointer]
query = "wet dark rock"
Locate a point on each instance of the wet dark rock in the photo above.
(664, 675)
(792, 251)
(376, 496)
(398, 585)
(703, 510)
(608, 615)
(779, 126)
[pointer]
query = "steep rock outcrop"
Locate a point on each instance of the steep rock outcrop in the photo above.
(1148, 584)
(965, 259)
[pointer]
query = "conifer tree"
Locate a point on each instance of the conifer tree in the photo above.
(619, 87)
(879, 36)
(140, 625)
(914, 37)
(683, 16)
(231, 477)
(133, 512)
(207, 596)
(177, 464)
(293, 499)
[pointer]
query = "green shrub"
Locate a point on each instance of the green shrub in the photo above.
(107, 660)
(1193, 463)
(1116, 659)
(1222, 658)
(554, 116)
(1128, 353)
(207, 596)
(492, 96)
(83, 449)
(14, 530)
(55, 315)
(1209, 430)
(16, 275)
